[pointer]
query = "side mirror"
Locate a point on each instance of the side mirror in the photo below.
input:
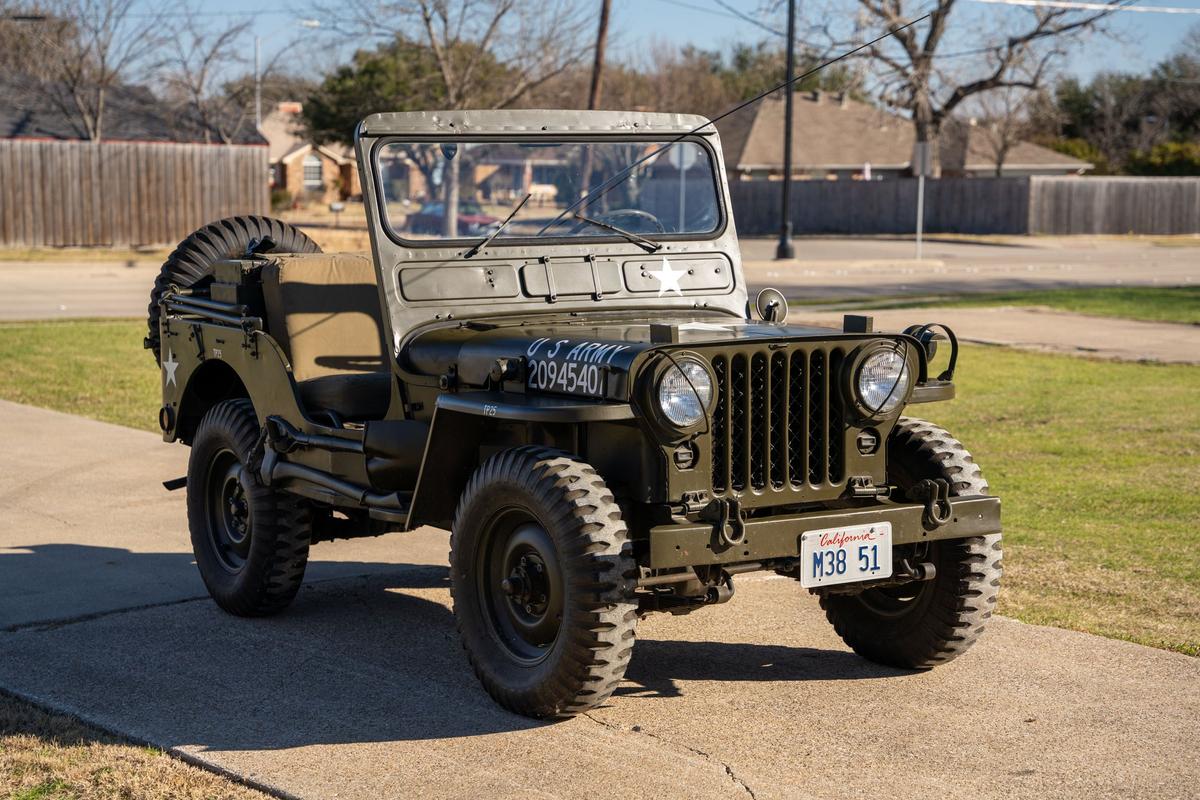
(772, 306)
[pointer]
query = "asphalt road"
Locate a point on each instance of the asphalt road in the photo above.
(825, 268)
(361, 689)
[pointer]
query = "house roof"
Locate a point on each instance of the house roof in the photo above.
(831, 132)
(132, 113)
(283, 130)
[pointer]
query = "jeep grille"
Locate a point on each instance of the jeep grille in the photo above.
(778, 422)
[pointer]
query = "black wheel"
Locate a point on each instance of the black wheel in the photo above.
(542, 579)
(250, 542)
(925, 623)
(192, 261)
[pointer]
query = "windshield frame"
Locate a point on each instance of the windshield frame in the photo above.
(526, 241)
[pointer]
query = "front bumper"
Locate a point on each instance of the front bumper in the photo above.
(779, 537)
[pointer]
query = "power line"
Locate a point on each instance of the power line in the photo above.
(1080, 6)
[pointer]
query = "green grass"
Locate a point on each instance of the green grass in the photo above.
(1098, 464)
(93, 368)
(1155, 304)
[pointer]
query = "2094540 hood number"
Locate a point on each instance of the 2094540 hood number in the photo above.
(567, 377)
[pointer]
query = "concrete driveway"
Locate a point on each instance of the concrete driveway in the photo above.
(361, 689)
(824, 268)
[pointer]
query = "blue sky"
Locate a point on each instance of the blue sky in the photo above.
(1144, 39)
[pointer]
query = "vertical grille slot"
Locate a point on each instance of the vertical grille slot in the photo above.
(818, 417)
(739, 449)
(836, 436)
(777, 421)
(798, 420)
(720, 427)
(778, 425)
(759, 443)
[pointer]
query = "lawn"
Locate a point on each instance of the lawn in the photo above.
(1156, 304)
(1098, 463)
(96, 368)
(47, 756)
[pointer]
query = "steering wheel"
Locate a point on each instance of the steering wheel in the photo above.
(633, 220)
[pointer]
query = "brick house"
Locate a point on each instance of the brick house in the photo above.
(308, 172)
(836, 137)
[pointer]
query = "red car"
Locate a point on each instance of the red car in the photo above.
(430, 219)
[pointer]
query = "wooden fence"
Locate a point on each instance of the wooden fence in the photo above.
(55, 193)
(1023, 205)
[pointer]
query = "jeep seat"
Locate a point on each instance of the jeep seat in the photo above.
(323, 310)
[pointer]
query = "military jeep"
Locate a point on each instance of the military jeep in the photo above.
(551, 351)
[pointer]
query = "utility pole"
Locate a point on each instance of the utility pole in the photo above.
(257, 83)
(594, 91)
(598, 62)
(785, 249)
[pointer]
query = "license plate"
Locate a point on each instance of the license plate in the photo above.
(846, 555)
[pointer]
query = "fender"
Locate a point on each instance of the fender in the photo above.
(459, 425)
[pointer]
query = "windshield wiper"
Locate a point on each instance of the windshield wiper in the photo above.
(640, 241)
(485, 241)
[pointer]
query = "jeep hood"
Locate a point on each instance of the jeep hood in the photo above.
(470, 349)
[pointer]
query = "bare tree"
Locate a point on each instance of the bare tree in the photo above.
(932, 68)
(200, 57)
(487, 53)
(114, 42)
(1005, 121)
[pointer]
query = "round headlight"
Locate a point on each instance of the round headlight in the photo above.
(883, 381)
(684, 392)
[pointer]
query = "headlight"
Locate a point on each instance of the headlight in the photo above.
(684, 392)
(883, 381)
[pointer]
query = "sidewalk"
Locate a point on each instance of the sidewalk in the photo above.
(361, 688)
(1041, 329)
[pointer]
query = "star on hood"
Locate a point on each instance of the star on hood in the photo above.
(169, 366)
(668, 279)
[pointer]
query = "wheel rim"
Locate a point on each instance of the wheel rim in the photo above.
(894, 601)
(229, 519)
(521, 585)
(897, 601)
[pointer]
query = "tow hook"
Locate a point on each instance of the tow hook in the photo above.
(726, 516)
(935, 493)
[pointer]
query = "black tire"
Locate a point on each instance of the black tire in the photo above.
(558, 642)
(192, 260)
(923, 624)
(250, 542)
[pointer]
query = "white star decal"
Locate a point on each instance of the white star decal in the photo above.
(668, 279)
(169, 366)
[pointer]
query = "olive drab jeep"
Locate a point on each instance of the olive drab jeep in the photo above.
(551, 350)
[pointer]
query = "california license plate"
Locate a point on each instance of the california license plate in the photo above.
(846, 555)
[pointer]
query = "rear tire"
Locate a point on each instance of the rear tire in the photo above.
(923, 624)
(192, 261)
(250, 542)
(542, 577)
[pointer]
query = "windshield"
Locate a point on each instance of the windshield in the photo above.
(672, 191)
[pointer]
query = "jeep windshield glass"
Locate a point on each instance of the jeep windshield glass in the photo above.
(437, 191)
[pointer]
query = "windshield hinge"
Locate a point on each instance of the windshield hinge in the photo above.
(598, 294)
(552, 293)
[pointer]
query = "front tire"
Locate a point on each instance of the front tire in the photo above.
(250, 541)
(923, 624)
(542, 579)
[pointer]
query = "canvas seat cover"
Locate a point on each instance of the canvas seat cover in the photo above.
(323, 309)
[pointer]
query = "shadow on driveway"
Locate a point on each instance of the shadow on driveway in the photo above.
(367, 653)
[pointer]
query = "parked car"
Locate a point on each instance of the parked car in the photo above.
(430, 219)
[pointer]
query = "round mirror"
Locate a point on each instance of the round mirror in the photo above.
(772, 306)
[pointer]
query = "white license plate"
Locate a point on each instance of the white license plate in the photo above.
(845, 555)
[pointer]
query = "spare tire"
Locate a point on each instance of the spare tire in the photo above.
(193, 259)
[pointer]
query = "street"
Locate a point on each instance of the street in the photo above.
(361, 689)
(825, 268)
